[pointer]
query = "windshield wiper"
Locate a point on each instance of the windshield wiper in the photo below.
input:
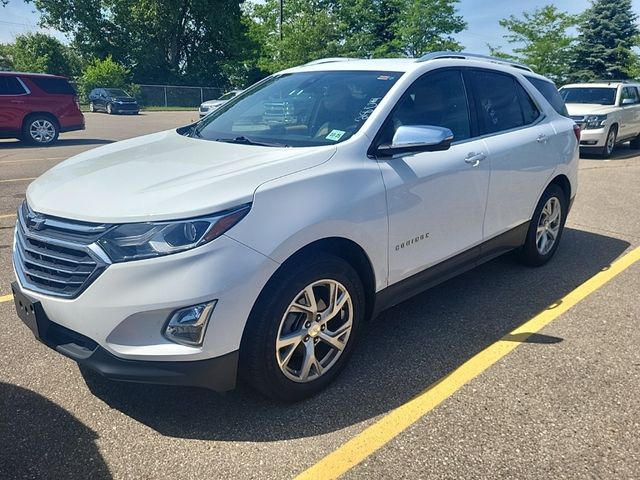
(247, 141)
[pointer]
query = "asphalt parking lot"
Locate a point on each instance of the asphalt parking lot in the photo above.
(564, 404)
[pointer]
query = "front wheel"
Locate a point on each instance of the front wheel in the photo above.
(302, 329)
(610, 143)
(546, 227)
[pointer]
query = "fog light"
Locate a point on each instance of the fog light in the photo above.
(188, 325)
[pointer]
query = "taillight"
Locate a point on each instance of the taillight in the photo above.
(576, 130)
(77, 100)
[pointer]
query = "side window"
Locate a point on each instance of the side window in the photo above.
(437, 99)
(10, 86)
(501, 102)
(550, 93)
(530, 112)
(630, 93)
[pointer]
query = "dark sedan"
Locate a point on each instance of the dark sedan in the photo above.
(112, 100)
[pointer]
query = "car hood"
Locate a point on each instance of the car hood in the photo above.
(589, 109)
(213, 103)
(163, 176)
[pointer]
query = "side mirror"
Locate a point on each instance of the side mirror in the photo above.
(628, 101)
(417, 138)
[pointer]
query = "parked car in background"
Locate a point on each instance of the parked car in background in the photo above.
(37, 107)
(259, 240)
(112, 100)
(608, 114)
(211, 105)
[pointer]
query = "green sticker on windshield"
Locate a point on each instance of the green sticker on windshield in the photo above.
(335, 135)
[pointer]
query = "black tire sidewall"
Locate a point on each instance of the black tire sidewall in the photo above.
(26, 130)
(605, 152)
(258, 365)
(529, 253)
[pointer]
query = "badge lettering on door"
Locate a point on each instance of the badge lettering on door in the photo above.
(412, 241)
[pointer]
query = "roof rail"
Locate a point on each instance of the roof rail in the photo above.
(473, 56)
(330, 60)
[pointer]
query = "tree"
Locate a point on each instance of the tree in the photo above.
(545, 44)
(607, 33)
(103, 73)
(184, 41)
(427, 25)
(40, 53)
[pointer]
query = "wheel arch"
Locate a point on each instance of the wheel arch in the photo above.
(44, 114)
(563, 182)
(343, 248)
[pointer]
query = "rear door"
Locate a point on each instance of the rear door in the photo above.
(520, 143)
(13, 98)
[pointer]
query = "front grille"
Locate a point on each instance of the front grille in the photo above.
(54, 256)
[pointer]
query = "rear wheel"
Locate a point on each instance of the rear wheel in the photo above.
(546, 227)
(40, 130)
(610, 143)
(92, 107)
(109, 109)
(635, 143)
(302, 329)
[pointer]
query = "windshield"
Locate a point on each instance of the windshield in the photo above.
(299, 109)
(595, 95)
(116, 92)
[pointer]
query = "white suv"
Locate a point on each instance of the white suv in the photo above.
(260, 240)
(608, 113)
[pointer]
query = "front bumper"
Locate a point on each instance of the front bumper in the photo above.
(217, 374)
(593, 138)
(132, 108)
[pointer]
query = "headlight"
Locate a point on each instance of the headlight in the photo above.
(596, 121)
(136, 241)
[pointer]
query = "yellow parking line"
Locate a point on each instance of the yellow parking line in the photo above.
(17, 180)
(8, 215)
(6, 298)
(395, 422)
(26, 160)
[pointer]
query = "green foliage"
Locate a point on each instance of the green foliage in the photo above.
(608, 31)
(315, 29)
(39, 53)
(545, 44)
(160, 41)
(426, 25)
(104, 74)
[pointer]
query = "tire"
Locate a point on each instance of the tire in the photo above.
(40, 130)
(109, 109)
(635, 143)
(306, 362)
(610, 143)
(545, 228)
(92, 107)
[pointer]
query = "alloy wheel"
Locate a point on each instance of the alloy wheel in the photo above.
(314, 331)
(42, 131)
(548, 225)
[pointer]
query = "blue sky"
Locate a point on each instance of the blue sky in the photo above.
(481, 15)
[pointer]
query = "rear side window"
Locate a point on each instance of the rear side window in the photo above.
(501, 102)
(630, 93)
(55, 86)
(551, 94)
(10, 86)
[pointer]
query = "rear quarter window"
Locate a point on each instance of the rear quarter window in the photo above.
(550, 93)
(55, 86)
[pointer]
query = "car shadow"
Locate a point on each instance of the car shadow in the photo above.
(405, 350)
(38, 439)
(62, 142)
(621, 152)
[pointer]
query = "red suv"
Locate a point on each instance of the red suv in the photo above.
(37, 107)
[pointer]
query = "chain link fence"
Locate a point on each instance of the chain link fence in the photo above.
(176, 95)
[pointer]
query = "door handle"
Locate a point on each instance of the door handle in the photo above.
(474, 159)
(542, 138)
(17, 101)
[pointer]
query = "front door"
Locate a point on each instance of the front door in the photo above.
(436, 200)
